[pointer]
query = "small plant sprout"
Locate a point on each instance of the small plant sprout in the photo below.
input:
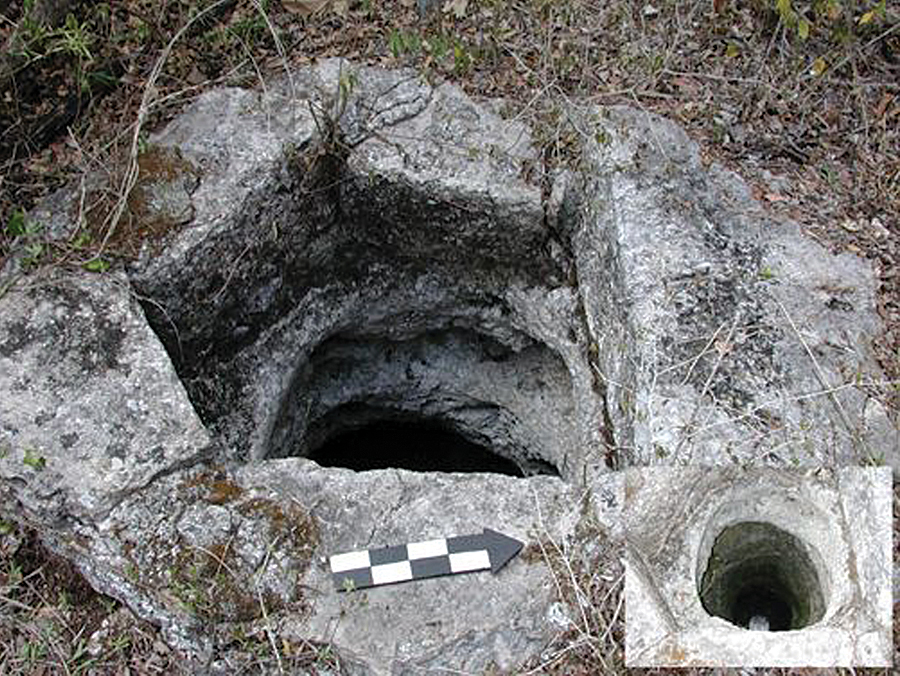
(97, 265)
(36, 462)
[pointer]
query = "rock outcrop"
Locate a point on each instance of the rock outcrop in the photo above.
(356, 244)
(723, 336)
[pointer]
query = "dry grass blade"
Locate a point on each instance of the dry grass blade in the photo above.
(129, 180)
(16, 604)
(305, 8)
(859, 444)
(49, 614)
(279, 46)
(720, 355)
(270, 634)
(588, 584)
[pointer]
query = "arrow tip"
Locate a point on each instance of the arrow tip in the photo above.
(501, 548)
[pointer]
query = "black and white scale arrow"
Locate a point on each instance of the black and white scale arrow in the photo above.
(420, 560)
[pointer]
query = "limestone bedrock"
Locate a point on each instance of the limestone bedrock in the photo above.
(388, 245)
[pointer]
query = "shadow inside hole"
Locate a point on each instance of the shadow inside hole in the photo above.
(763, 601)
(420, 446)
(756, 570)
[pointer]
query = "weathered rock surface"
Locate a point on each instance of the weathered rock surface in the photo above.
(214, 556)
(425, 240)
(92, 409)
(723, 336)
(356, 243)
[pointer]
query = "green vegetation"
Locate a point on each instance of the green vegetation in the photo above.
(33, 460)
(836, 19)
(22, 230)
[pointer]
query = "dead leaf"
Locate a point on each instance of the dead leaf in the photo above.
(457, 8)
(723, 347)
(341, 8)
(878, 229)
(867, 18)
(688, 87)
(304, 7)
(819, 66)
(883, 104)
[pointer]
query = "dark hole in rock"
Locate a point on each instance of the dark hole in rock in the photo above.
(362, 437)
(421, 446)
(766, 602)
(442, 400)
(760, 576)
(341, 292)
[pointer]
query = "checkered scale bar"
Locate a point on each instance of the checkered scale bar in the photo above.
(419, 560)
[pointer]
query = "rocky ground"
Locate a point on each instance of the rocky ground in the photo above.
(801, 99)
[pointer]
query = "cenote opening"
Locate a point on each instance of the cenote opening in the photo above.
(760, 575)
(417, 445)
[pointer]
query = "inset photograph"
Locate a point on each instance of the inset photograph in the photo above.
(758, 567)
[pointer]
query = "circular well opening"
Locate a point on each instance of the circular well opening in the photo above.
(761, 577)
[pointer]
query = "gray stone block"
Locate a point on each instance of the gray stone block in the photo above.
(92, 409)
